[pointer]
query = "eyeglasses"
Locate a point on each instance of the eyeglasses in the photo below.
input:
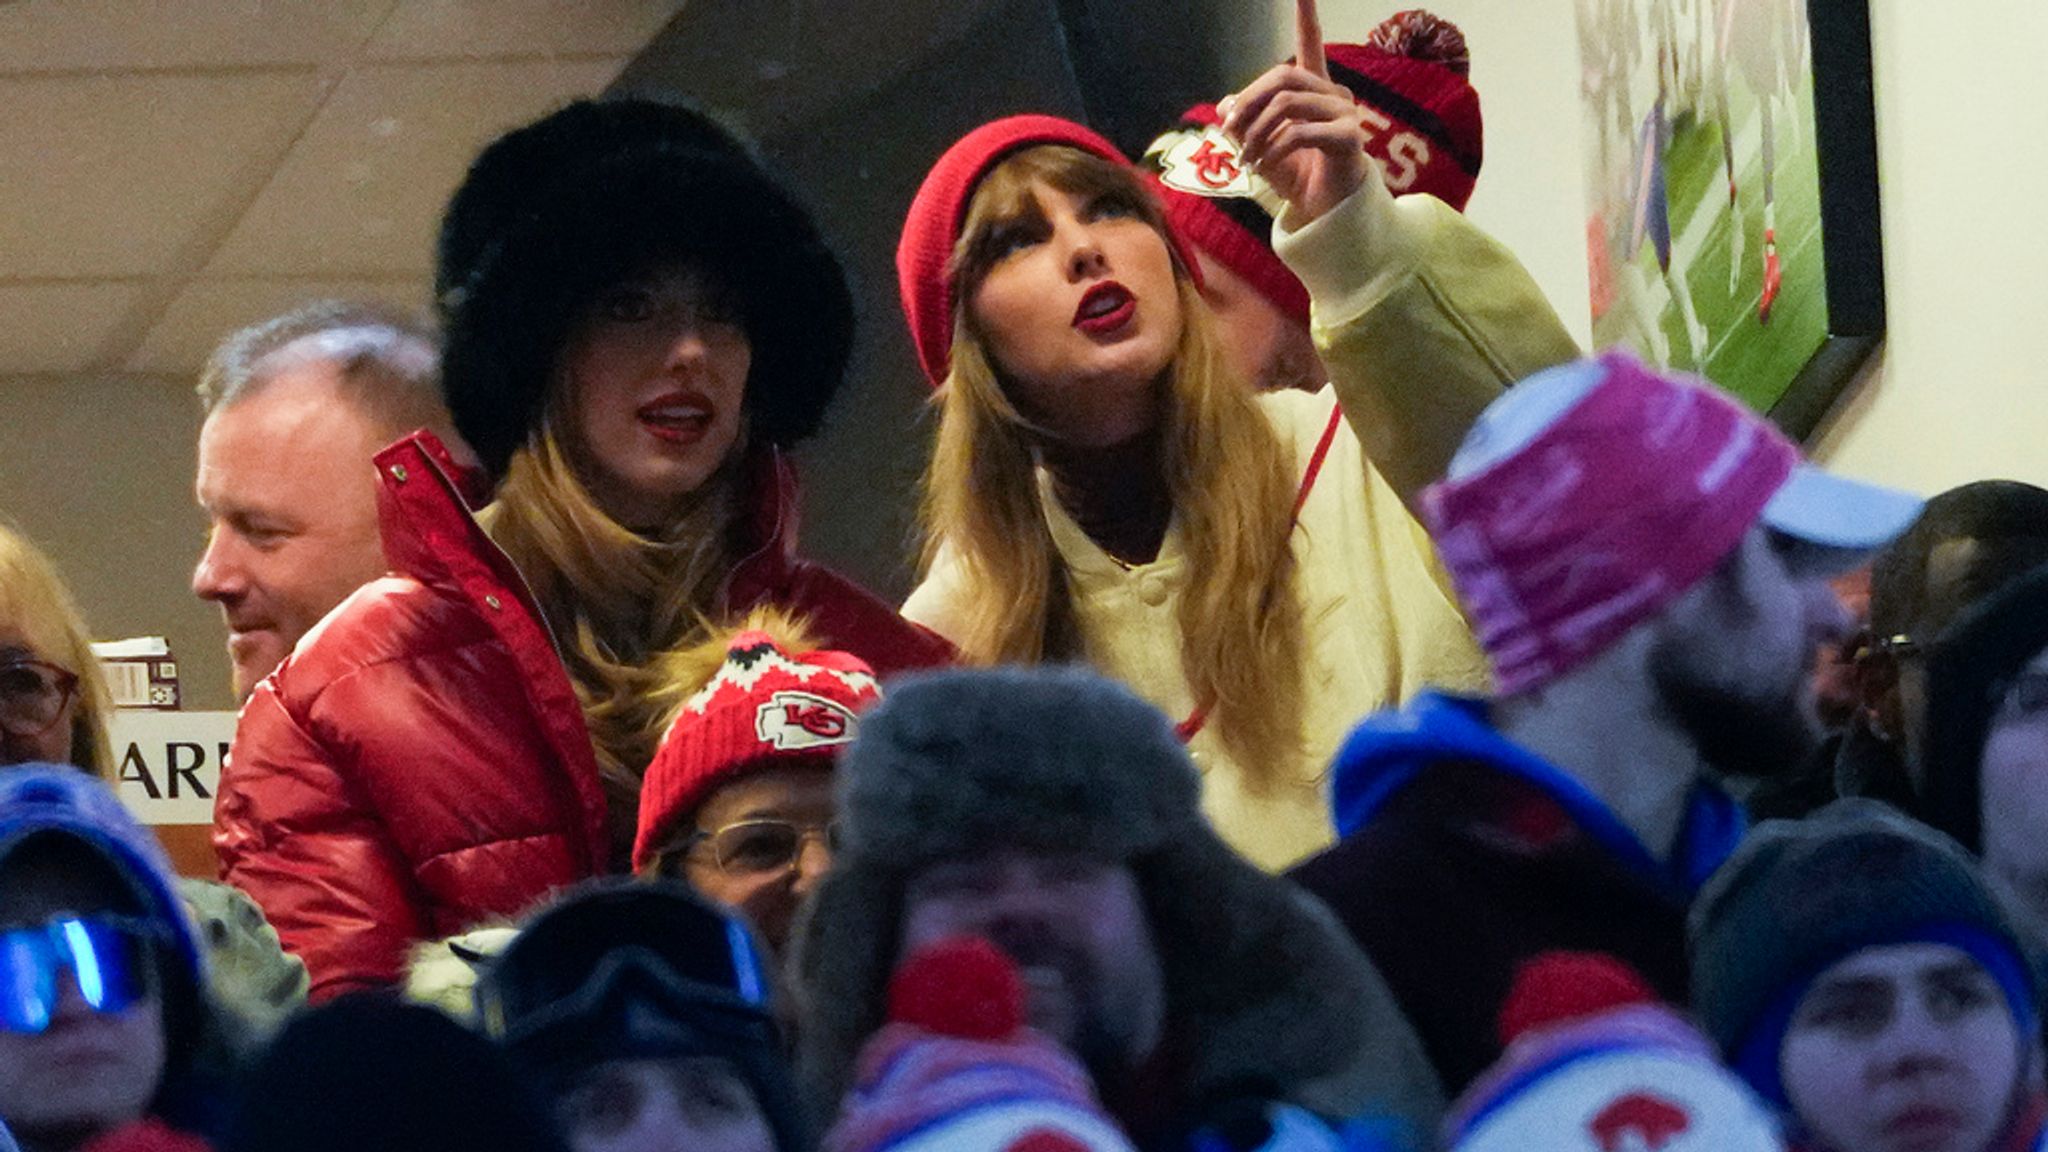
(752, 847)
(33, 695)
(1898, 647)
(582, 964)
(110, 959)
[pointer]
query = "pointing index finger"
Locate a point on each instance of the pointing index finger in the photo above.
(1308, 39)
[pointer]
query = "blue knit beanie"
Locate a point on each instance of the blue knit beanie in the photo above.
(50, 799)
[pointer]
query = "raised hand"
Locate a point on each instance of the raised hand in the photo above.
(1299, 130)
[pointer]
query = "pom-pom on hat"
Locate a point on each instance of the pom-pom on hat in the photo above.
(955, 1068)
(1423, 126)
(765, 705)
(555, 212)
(1635, 485)
(1595, 1064)
(924, 254)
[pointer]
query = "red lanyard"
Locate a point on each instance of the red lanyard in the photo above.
(1191, 727)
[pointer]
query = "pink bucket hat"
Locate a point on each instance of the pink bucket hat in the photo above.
(1592, 495)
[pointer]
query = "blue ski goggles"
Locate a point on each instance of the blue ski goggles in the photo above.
(110, 959)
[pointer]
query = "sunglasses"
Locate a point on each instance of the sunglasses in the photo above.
(752, 847)
(110, 959)
(33, 695)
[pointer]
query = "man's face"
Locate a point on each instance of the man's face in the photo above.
(1734, 663)
(1268, 349)
(1078, 933)
(289, 492)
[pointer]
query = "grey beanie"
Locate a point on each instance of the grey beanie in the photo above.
(1798, 896)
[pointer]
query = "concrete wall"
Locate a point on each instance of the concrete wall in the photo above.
(99, 473)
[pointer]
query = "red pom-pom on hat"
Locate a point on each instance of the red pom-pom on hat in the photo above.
(1559, 987)
(962, 986)
(1422, 35)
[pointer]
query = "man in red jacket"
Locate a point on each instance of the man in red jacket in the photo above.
(295, 407)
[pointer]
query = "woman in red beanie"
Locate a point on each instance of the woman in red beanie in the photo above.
(1102, 488)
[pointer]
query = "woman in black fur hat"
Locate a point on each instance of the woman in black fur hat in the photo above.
(639, 321)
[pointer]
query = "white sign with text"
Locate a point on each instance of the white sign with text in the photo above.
(168, 763)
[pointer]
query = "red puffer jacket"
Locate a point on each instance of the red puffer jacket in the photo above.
(420, 763)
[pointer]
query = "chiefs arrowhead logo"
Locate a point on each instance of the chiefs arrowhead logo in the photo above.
(1639, 1122)
(1204, 162)
(794, 721)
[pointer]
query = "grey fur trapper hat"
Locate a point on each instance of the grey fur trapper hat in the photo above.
(1265, 993)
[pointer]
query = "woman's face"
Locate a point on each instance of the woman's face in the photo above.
(657, 371)
(767, 845)
(32, 694)
(2013, 779)
(1903, 1048)
(89, 1071)
(694, 1105)
(1080, 313)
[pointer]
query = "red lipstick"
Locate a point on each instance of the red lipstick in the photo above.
(678, 416)
(1105, 309)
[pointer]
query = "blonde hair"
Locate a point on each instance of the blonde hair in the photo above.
(626, 608)
(1229, 475)
(34, 597)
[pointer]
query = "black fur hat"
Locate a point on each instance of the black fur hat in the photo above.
(557, 211)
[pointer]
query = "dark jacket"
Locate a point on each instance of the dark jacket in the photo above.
(420, 762)
(1463, 855)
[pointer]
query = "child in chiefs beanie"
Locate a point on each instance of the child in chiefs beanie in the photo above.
(738, 800)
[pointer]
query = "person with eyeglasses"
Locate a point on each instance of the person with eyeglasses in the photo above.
(105, 1022)
(53, 705)
(1969, 542)
(738, 801)
(647, 1014)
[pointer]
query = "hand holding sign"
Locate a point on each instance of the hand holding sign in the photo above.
(1299, 129)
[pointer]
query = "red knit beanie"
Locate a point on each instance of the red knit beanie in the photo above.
(1423, 126)
(765, 706)
(924, 255)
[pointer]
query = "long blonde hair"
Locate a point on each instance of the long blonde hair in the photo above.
(626, 608)
(1229, 475)
(33, 595)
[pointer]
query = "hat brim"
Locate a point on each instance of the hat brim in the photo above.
(1848, 521)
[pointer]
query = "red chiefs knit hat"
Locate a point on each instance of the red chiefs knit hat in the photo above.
(765, 705)
(1422, 117)
(924, 255)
